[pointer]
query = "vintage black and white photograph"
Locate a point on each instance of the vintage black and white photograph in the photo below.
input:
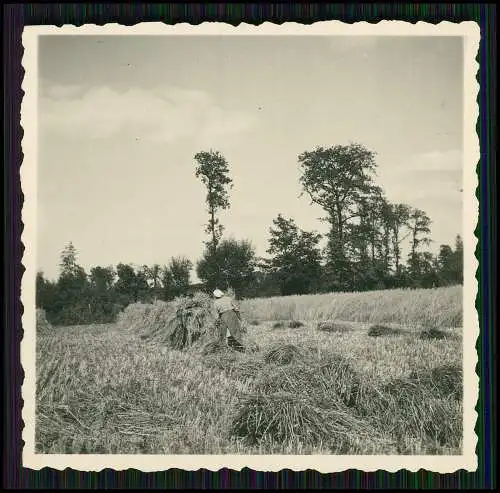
(246, 243)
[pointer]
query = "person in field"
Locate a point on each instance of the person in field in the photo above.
(229, 320)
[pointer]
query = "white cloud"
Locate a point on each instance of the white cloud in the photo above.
(163, 114)
(58, 91)
(435, 175)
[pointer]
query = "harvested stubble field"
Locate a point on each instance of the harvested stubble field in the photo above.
(103, 389)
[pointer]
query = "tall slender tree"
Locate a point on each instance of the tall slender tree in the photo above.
(68, 264)
(213, 170)
(398, 217)
(386, 254)
(419, 224)
(72, 287)
(459, 259)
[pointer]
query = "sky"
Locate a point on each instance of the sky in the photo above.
(120, 119)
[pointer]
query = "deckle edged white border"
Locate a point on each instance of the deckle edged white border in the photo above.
(325, 464)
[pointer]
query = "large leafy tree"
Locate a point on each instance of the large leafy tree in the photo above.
(450, 262)
(101, 294)
(295, 257)
(213, 170)
(428, 270)
(46, 292)
(231, 266)
(337, 178)
(102, 278)
(176, 277)
(131, 286)
(445, 262)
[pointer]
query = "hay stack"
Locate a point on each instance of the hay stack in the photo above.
(334, 327)
(329, 382)
(310, 402)
(282, 354)
(282, 417)
(411, 408)
(445, 381)
(42, 324)
(432, 333)
(382, 330)
(178, 323)
(191, 319)
(287, 418)
(141, 317)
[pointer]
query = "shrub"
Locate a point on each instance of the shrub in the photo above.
(295, 324)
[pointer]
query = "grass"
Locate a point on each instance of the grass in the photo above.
(441, 307)
(103, 389)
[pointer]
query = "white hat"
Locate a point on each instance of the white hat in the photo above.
(218, 293)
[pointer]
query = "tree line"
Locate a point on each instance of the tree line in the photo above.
(364, 247)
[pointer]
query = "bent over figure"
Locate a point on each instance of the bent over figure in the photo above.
(229, 320)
